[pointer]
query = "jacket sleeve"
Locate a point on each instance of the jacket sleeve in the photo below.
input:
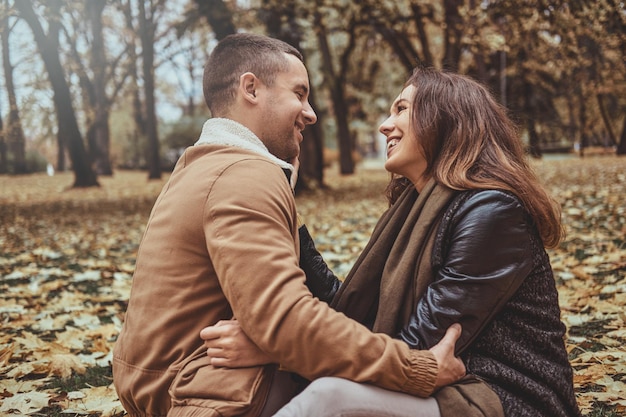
(487, 254)
(252, 238)
(320, 279)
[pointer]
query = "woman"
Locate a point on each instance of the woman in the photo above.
(463, 241)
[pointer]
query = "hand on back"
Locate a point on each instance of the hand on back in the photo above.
(228, 346)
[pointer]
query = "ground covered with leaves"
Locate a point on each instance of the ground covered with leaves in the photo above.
(68, 255)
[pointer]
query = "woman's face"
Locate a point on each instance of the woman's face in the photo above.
(404, 155)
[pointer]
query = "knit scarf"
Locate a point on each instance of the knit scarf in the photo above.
(394, 269)
(227, 132)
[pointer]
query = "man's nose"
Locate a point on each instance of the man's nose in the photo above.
(309, 114)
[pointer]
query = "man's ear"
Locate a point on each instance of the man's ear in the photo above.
(248, 84)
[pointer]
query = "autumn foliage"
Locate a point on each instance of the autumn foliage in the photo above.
(68, 255)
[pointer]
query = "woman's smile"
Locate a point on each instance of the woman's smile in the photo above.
(391, 143)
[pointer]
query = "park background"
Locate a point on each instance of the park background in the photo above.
(99, 97)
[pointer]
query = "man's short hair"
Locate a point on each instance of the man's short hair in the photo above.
(237, 54)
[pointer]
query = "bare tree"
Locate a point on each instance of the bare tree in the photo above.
(99, 133)
(94, 77)
(13, 136)
(336, 83)
(147, 35)
(139, 132)
(68, 131)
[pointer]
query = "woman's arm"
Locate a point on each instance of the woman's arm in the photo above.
(321, 281)
(487, 258)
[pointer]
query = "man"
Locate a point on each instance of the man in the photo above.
(222, 241)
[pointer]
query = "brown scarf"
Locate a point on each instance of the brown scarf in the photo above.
(394, 269)
(391, 275)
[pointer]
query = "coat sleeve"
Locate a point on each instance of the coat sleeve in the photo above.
(251, 235)
(488, 256)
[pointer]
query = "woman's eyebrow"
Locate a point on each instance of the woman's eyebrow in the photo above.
(398, 101)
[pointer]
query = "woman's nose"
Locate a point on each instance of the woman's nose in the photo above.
(386, 127)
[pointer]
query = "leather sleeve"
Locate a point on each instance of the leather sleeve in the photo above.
(322, 282)
(485, 256)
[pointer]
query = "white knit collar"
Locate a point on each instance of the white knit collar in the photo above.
(227, 132)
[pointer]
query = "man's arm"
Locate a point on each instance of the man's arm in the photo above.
(251, 230)
(228, 346)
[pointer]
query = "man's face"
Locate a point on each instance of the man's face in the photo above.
(287, 111)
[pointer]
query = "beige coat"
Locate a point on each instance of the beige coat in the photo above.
(222, 241)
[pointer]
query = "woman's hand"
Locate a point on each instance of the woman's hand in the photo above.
(228, 346)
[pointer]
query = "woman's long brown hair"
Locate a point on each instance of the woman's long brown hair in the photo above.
(469, 142)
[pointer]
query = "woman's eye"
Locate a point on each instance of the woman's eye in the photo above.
(400, 109)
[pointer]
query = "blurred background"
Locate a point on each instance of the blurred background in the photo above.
(95, 86)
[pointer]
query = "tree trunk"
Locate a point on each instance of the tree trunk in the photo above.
(572, 131)
(147, 31)
(13, 141)
(408, 58)
(533, 137)
(101, 131)
(340, 107)
(3, 149)
(218, 15)
(84, 175)
(621, 148)
(418, 17)
(312, 156)
(582, 115)
(453, 34)
(137, 155)
(479, 60)
(606, 120)
(344, 136)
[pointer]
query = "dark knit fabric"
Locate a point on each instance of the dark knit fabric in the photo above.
(521, 353)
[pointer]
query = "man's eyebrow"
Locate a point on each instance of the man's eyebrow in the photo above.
(302, 88)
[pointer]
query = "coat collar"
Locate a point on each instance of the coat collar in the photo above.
(227, 132)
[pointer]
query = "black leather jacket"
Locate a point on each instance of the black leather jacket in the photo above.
(494, 277)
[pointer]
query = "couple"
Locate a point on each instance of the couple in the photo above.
(462, 242)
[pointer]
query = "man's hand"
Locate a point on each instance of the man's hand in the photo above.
(450, 368)
(228, 346)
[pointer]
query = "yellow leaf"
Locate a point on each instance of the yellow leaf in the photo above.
(62, 365)
(24, 403)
